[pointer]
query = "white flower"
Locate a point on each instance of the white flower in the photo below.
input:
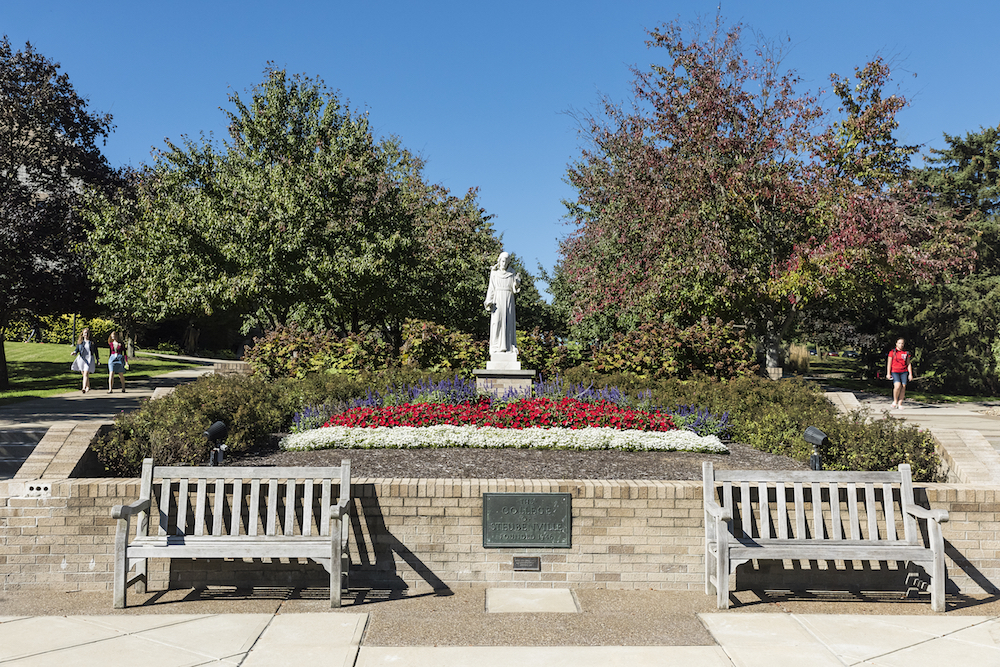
(445, 435)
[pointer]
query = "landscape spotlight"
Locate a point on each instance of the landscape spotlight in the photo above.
(817, 439)
(216, 433)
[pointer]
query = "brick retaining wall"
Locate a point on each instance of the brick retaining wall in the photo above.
(427, 533)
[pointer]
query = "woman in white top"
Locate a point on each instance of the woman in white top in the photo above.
(86, 358)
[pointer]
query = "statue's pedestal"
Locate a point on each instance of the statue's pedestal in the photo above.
(503, 361)
(499, 381)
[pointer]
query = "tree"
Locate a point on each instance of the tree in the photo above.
(48, 154)
(300, 217)
(713, 196)
(958, 321)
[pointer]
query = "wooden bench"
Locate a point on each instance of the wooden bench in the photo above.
(816, 515)
(231, 512)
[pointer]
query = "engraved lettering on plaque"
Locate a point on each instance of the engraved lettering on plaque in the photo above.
(527, 520)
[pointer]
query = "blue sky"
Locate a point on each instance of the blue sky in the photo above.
(481, 90)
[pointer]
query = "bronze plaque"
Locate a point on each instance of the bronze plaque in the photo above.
(527, 520)
(527, 564)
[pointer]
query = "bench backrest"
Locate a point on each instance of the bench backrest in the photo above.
(816, 505)
(229, 500)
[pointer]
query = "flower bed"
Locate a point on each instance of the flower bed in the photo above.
(449, 435)
(528, 423)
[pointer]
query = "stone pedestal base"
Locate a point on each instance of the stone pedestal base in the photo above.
(775, 373)
(503, 361)
(498, 381)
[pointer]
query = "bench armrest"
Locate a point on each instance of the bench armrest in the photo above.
(938, 516)
(717, 511)
(339, 510)
(125, 511)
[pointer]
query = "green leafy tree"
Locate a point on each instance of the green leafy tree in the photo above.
(301, 216)
(48, 154)
(957, 322)
(713, 196)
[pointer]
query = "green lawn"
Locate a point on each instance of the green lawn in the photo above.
(42, 369)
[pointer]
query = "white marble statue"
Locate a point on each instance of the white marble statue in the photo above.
(500, 303)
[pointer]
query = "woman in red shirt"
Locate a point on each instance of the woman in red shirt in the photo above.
(899, 366)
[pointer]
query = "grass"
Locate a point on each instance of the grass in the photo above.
(43, 369)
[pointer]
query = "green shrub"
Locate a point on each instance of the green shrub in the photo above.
(546, 352)
(435, 348)
(171, 429)
(655, 351)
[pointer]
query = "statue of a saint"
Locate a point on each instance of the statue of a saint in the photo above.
(500, 303)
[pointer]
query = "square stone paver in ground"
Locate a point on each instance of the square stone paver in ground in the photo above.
(309, 639)
(531, 601)
(858, 638)
(40, 634)
(125, 651)
(937, 652)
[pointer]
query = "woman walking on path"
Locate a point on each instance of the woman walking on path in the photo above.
(899, 367)
(116, 362)
(87, 358)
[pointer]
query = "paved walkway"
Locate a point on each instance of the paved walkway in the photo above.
(96, 405)
(769, 637)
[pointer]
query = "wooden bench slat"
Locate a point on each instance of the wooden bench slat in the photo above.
(236, 508)
(164, 506)
(272, 507)
(182, 506)
(871, 510)
(199, 509)
(324, 523)
(263, 472)
(889, 511)
(746, 509)
(220, 496)
(852, 510)
(307, 507)
(817, 502)
(800, 511)
(289, 509)
(764, 506)
(254, 508)
(835, 522)
(782, 503)
(790, 476)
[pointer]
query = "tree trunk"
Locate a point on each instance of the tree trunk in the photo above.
(4, 379)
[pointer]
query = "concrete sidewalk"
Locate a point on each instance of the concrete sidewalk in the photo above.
(600, 627)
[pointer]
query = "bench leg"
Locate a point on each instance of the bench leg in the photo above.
(937, 568)
(335, 597)
(142, 574)
(121, 564)
(722, 578)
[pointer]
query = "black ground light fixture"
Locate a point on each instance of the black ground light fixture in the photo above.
(215, 434)
(816, 438)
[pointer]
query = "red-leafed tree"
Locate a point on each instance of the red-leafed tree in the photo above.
(713, 195)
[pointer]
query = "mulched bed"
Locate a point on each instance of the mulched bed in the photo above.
(521, 463)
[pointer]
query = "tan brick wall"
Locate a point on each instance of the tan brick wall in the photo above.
(427, 533)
